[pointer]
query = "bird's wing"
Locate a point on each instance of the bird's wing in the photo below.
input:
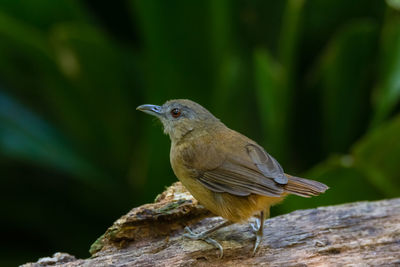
(246, 170)
(266, 164)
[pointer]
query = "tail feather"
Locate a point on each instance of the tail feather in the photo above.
(304, 187)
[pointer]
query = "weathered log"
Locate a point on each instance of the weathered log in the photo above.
(356, 234)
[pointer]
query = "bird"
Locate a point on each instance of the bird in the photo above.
(225, 171)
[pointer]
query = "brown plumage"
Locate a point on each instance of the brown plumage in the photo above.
(228, 173)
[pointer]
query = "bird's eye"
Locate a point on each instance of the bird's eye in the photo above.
(176, 112)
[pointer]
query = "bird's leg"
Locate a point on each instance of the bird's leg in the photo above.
(204, 235)
(258, 228)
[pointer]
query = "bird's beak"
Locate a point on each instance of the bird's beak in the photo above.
(151, 109)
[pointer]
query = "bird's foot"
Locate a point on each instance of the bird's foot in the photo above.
(259, 235)
(203, 236)
(259, 231)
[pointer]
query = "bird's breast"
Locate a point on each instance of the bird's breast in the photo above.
(187, 175)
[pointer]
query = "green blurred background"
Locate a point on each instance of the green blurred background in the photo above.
(317, 83)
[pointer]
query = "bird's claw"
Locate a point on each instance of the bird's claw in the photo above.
(257, 243)
(190, 234)
(215, 244)
(259, 231)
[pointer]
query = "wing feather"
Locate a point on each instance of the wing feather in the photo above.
(266, 163)
(251, 172)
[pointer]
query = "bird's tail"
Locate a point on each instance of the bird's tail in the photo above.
(304, 187)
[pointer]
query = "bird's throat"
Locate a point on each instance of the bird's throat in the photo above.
(179, 133)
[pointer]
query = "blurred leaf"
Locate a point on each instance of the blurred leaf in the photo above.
(228, 85)
(25, 52)
(395, 4)
(63, 72)
(47, 12)
(378, 154)
(274, 82)
(14, 30)
(221, 32)
(25, 137)
(289, 39)
(387, 92)
(226, 74)
(95, 65)
(187, 64)
(272, 103)
(318, 27)
(344, 74)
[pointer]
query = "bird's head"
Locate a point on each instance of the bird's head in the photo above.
(181, 117)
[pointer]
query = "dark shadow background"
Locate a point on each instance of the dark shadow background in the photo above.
(317, 83)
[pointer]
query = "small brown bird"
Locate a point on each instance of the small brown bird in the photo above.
(228, 173)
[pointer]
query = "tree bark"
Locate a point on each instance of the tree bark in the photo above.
(356, 234)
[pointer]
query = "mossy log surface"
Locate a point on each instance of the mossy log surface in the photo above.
(356, 234)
